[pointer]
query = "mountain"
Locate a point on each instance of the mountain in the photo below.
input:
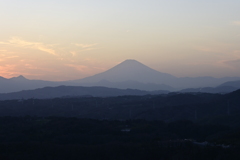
(19, 78)
(129, 70)
(134, 71)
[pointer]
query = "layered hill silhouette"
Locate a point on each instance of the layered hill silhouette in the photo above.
(226, 87)
(235, 84)
(73, 91)
(128, 74)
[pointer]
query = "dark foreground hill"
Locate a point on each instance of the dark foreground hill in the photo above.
(168, 107)
(71, 138)
(171, 126)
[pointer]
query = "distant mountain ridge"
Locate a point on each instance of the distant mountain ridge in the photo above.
(21, 83)
(226, 87)
(128, 74)
(232, 84)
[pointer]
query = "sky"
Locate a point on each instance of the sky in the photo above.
(71, 39)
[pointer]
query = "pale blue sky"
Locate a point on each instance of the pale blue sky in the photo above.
(61, 40)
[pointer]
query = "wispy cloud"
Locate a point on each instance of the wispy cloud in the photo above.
(40, 68)
(5, 56)
(234, 63)
(82, 47)
(18, 42)
(73, 53)
(231, 65)
(11, 70)
(237, 23)
(85, 45)
(213, 49)
(86, 70)
(5, 51)
(7, 71)
(81, 68)
(10, 57)
(209, 49)
(217, 47)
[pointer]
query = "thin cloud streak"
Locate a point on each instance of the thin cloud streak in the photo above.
(237, 23)
(233, 63)
(81, 68)
(73, 53)
(85, 45)
(18, 42)
(12, 57)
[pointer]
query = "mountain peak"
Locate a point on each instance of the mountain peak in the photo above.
(130, 61)
(20, 77)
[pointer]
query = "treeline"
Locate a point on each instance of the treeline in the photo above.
(211, 108)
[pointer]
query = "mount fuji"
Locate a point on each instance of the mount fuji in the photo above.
(132, 73)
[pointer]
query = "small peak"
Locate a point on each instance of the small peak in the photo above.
(20, 77)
